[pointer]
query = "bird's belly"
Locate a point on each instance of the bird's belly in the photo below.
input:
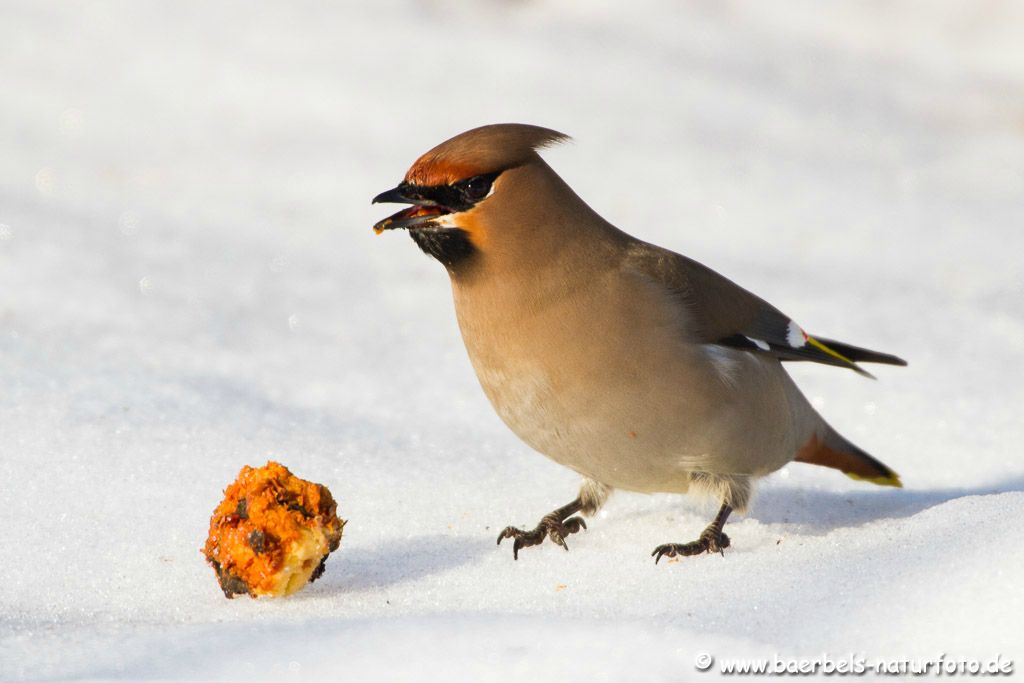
(616, 391)
(608, 443)
(643, 430)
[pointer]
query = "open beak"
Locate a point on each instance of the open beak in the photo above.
(421, 214)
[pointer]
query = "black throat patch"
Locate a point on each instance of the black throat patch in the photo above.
(450, 246)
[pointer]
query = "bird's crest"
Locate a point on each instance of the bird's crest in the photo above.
(487, 149)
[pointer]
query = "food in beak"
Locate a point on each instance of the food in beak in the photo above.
(413, 217)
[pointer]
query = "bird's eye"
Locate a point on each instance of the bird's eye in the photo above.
(476, 188)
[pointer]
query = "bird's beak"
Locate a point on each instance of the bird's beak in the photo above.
(422, 212)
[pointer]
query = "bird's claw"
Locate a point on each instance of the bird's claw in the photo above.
(711, 541)
(550, 526)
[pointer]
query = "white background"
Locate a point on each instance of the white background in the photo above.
(189, 283)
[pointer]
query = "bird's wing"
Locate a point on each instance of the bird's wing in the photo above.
(724, 313)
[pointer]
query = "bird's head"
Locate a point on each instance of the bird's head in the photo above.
(460, 190)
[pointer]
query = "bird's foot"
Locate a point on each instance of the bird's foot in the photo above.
(552, 526)
(713, 540)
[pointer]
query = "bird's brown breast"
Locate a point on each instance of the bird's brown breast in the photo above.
(603, 379)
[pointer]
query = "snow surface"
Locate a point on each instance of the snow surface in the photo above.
(189, 283)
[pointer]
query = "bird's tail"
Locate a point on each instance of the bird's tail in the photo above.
(861, 355)
(832, 450)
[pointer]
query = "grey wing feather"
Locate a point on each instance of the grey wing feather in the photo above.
(724, 313)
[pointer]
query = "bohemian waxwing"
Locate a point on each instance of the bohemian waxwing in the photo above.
(638, 368)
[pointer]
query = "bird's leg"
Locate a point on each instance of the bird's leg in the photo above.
(713, 540)
(556, 526)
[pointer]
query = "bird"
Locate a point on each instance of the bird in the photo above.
(637, 367)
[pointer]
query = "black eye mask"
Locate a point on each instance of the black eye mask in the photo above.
(457, 197)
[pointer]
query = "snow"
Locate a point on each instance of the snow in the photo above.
(189, 283)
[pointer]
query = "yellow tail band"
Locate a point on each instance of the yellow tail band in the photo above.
(894, 480)
(821, 347)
